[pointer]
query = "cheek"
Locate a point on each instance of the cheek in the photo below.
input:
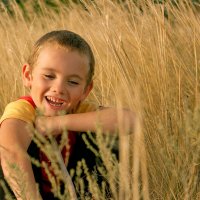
(76, 95)
(40, 84)
(38, 87)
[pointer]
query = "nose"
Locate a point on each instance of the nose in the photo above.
(58, 87)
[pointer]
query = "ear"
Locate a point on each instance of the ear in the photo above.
(87, 91)
(27, 76)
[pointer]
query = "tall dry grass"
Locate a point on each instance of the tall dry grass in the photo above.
(146, 62)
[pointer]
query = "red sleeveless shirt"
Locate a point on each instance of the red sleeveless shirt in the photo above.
(65, 152)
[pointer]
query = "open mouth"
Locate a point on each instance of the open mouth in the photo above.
(53, 101)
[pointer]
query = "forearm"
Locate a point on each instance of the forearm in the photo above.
(109, 120)
(18, 172)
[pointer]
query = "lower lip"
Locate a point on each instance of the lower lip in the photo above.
(55, 107)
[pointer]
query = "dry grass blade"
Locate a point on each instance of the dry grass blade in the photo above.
(152, 46)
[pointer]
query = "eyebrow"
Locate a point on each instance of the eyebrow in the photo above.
(71, 75)
(75, 76)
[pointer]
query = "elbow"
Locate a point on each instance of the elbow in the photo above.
(10, 158)
(7, 161)
(12, 164)
(7, 156)
(132, 119)
(131, 116)
(128, 121)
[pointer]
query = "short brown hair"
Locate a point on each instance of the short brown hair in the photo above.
(68, 39)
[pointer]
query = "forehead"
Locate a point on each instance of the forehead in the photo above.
(62, 58)
(56, 50)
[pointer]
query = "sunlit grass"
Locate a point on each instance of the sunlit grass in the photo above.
(146, 62)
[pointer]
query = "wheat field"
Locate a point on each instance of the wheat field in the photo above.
(147, 60)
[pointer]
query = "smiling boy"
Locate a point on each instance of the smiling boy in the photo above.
(59, 75)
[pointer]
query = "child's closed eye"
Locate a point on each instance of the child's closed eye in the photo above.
(49, 76)
(71, 82)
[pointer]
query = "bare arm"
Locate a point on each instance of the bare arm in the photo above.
(14, 140)
(108, 119)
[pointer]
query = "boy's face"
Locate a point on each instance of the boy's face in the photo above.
(58, 80)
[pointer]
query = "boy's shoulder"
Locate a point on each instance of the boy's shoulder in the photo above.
(21, 109)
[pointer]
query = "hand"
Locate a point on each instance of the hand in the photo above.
(47, 125)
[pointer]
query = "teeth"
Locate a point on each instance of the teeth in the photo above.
(54, 101)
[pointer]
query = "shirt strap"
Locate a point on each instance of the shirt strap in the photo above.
(29, 99)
